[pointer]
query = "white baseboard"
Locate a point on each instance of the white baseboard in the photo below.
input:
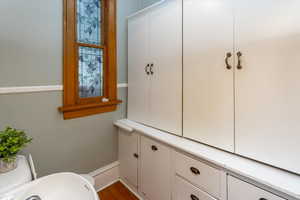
(106, 176)
(104, 169)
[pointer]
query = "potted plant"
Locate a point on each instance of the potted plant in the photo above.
(11, 143)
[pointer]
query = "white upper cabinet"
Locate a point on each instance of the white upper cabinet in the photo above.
(208, 97)
(165, 28)
(155, 67)
(138, 79)
(241, 75)
(268, 85)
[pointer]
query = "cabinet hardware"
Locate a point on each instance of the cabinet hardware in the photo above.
(193, 197)
(195, 171)
(151, 68)
(239, 65)
(263, 199)
(136, 155)
(228, 55)
(147, 69)
(154, 148)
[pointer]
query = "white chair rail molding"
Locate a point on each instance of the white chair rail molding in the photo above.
(33, 89)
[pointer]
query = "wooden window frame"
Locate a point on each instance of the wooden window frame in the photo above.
(73, 106)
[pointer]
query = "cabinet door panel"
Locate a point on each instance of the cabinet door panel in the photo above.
(138, 79)
(208, 85)
(268, 86)
(155, 170)
(128, 147)
(165, 44)
(238, 190)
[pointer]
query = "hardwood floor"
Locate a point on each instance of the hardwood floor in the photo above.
(116, 191)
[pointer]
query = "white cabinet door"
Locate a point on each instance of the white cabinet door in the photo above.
(208, 97)
(165, 33)
(268, 85)
(138, 79)
(155, 170)
(128, 156)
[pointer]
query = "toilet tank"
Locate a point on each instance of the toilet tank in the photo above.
(16, 177)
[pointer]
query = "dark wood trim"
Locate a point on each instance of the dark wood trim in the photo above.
(90, 100)
(91, 45)
(85, 106)
(111, 49)
(88, 111)
(69, 53)
(73, 106)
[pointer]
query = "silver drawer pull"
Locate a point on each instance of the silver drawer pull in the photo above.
(195, 171)
(151, 68)
(154, 148)
(147, 69)
(228, 55)
(239, 65)
(193, 197)
(136, 155)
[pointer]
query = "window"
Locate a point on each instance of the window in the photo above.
(90, 85)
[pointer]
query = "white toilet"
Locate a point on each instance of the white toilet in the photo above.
(19, 176)
(88, 178)
(24, 173)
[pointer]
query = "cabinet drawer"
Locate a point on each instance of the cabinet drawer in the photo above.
(186, 191)
(198, 173)
(238, 190)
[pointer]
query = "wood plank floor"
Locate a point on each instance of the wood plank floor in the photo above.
(116, 191)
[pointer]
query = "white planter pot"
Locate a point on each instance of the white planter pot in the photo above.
(7, 166)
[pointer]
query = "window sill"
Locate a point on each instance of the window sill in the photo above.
(75, 111)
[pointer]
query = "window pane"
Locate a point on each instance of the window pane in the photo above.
(89, 21)
(90, 72)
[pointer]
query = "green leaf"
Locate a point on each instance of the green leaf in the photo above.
(11, 142)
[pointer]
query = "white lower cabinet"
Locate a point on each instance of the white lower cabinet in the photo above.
(159, 172)
(155, 170)
(238, 189)
(183, 190)
(128, 157)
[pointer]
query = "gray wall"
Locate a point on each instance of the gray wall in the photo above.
(124, 8)
(30, 55)
(145, 3)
